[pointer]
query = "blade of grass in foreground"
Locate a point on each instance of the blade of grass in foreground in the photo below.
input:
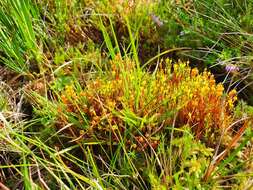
(27, 182)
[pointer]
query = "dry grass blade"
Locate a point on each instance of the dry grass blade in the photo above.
(222, 155)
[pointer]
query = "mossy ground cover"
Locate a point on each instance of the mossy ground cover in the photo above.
(132, 94)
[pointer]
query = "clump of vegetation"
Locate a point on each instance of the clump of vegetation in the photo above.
(125, 94)
(125, 99)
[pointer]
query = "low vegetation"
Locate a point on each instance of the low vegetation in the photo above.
(126, 94)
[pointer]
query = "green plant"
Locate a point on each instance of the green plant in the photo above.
(17, 35)
(218, 33)
(111, 106)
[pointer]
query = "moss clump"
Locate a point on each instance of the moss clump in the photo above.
(141, 103)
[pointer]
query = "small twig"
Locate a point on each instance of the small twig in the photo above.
(158, 129)
(40, 178)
